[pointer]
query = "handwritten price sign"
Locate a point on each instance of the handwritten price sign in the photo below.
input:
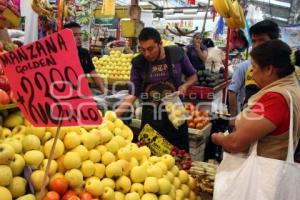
(48, 82)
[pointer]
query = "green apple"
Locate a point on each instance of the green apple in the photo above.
(5, 194)
(149, 196)
(113, 170)
(151, 185)
(164, 186)
(17, 187)
(72, 160)
(112, 146)
(27, 197)
(179, 194)
(74, 177)
(94, 155)
(89, 140)
(164, 197)
(105, 135)
(99, 170)
(20, 129)
(6, 175)
(59, 148)
(183, 176)
(186, 190)
(108, 194)
(108, 158)
(119, 196)
(108, 182)
(37, 178)
(13, 120)
(102, 149)
(177, 183)
(154, 171)
(17, 164)
(37, 131)
(110, 116)
(87, 168)
(175, 170)
(34, 158)
(31, 142)
(138, 174)
(53, 166)
(16, 144)
(123, 184)
(168, 160)
(138, 188)
(5, 133)
(124, 153)
(132, 196)
(83, 152)
(72, 140)
(94, 186)
(7, 153)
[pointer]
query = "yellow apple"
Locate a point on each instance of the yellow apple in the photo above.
(119, 196)
(168, 160)
(27, 197)
(123, 184)
(172, 192)
(20, 129)
(154, 171)
(74, 177)
(7, 153)
(46, 137)
(6, 175)
(87, 168)
(105, 135)
(89, 140)
(94, 186)
(16, 144)
(133, 162)
(110, 125)
(53, 166)
(175, 170)
(183, 176)
(127, 133)
(74, 129)
(5, 133)
(31, 142)
(37, 131)
(149, 196)
(37, 178)
(110, 116)
(113, 170)
(108, 182)
(192, 183)
(179, 194)
(34, 158)
(83, 152)
(102, 149)
(126, 167)
(132, 196)
(164, 197)
(17, 187)
(60, 164)
(151, 185)
(99, 170)
(138, 188)
(59, 148)
(112, 146)
(19, 137)
(108, 194)
(154, 159)
(163, 167)
(164, 186)
(169, 176)
(108, 158)
(177, 183)
(120, 140)
(17, 164)
(94, 155)
(192, 196)
(138, 174)
(145, 151)
(72, 160)
(72, 140)
(5, 194)
(186, 190)
(13, 120)
(124, 153)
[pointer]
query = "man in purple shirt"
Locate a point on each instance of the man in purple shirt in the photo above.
(156, 73)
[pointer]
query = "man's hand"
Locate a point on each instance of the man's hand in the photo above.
(183, 89)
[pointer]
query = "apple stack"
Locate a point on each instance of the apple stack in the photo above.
(115, 67)
(98, 162)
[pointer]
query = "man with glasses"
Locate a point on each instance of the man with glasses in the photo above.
(84, 56)
(155, 73)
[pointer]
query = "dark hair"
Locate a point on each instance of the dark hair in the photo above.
(266, 27)
(150, 33)
(208, 42)
(72, 25)
(198, 34)
(277, 54)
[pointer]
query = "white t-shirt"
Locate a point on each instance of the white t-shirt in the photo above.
(214, 59)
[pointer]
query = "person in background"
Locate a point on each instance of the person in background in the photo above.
(85, 58)
(242, 86)
(155, 73)
(216, 57)
(197, 52)
(269, 109)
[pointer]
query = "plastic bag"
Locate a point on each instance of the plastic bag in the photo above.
(175, 109)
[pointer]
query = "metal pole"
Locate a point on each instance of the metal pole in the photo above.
(205, 17)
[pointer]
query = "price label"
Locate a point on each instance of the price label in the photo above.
(48, 81)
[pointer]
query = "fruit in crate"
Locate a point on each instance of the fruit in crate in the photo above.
(198, 119)
(115, 66)
(176, 113)
(112, 168)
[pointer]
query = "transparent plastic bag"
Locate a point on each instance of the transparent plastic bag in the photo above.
(175, 109)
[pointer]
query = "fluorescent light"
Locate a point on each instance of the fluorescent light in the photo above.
(190, 11)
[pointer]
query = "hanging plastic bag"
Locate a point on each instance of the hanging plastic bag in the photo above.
(175, 109)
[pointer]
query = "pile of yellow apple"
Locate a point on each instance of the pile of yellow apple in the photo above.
(114, 67)
(100, 160)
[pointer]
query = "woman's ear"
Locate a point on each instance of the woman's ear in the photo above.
(270, 70)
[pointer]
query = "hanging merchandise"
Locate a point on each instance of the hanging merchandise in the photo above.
(108, 7)
(236, 22)
(220, 27)
(191, 2)
(254, 15)
(42, 8)
(291, 35)
(222, 7)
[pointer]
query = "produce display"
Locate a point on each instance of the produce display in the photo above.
(89, 162)
(199, 119)
(210, 79)
(167, 42)
(115, 67)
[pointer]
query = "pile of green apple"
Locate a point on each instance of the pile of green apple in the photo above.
(100, 160)
(114, 67)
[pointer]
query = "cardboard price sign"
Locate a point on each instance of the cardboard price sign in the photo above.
(48, 81)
